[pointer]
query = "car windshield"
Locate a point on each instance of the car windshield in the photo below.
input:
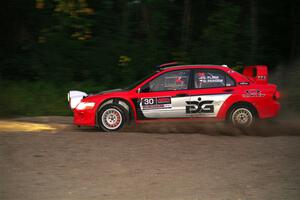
(130, 87)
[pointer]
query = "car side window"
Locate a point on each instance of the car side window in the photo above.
(229, 81)
(205, 78)
(174, 80)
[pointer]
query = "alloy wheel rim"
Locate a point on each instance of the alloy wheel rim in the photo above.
(111, 119)
(242, 117)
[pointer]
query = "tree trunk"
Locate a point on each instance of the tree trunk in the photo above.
(186, 24)
(254, 31)
(145, 19)
(295, 23)
(122, 7)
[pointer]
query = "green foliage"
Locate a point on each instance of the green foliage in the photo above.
(46, 43)
(218, 44)
(39, 98)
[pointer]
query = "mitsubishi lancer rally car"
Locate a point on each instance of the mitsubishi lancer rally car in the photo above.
(182, 92)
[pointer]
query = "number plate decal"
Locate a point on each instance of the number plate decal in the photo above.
(156, 103)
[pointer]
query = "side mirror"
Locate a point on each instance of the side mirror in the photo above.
(144, 88)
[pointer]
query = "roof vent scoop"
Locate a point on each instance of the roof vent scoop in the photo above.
(170, 64)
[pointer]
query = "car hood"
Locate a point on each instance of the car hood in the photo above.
(106, 92)
(75, 96)
(111, 91)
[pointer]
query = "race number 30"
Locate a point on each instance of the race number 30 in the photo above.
(149, 101)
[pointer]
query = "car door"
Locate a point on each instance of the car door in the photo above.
(166, 95)
(211, 88)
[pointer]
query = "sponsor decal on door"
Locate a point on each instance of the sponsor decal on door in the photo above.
(200, 106)
(156, 103)
(205, 105)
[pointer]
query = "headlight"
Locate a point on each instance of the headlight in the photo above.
(85, 106)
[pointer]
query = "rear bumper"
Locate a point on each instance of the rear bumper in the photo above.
(84, 118)
(269, 109)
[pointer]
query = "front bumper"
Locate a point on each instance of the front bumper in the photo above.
(84, 117)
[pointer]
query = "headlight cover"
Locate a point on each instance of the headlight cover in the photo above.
(85, 106)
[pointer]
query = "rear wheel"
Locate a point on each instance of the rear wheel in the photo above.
(242, 117)
(112, 117)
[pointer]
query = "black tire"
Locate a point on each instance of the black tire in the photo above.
(112, 117)
(242, 116)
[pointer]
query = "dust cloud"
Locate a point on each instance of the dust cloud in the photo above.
(264, 128)
(287, 79)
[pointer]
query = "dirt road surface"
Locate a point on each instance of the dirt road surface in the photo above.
(55, 160)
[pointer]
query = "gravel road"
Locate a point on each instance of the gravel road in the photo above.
(152, 162)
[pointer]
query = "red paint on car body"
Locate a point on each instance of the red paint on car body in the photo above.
(250, 87)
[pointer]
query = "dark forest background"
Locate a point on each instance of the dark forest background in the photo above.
(48, 47)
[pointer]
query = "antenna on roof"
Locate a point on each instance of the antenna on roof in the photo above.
(167, 65)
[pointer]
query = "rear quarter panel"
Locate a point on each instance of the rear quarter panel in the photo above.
(259, 95)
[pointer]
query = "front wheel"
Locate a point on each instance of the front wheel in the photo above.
(112, 117)
(242, 117)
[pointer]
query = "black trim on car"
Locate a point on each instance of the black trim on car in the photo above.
(139, 113)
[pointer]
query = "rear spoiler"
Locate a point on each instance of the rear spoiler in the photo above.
(257, 73)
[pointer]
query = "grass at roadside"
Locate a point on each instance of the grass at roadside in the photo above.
(38, 98)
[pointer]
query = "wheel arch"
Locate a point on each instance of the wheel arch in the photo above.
(126, 104)
(242, 104)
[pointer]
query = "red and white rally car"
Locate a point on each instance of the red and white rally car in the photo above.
(182, 93)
